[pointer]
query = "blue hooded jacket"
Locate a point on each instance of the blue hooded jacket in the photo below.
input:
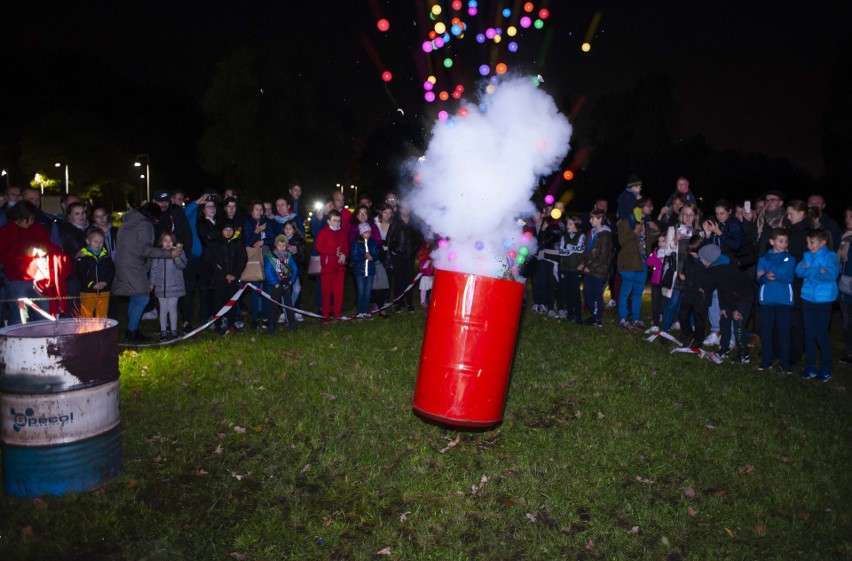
(778, 292)
(819, 287)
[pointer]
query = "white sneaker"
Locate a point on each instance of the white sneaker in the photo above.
(652, 329)
(712, 340)
(153, 314)
(282, 318)
(563, 314)
(299, 317)
(611, 304)
(551, 313)
(676, 326)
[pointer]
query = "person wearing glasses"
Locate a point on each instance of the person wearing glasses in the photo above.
(677, 252)
(774, 215)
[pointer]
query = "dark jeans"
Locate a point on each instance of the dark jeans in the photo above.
(403, 274)
(593, 289)
(190, 279)
(692, 316)
(658, 304)
(775, 322)
(363, 288)
(568, 296)
(271, 311)
(543, 283)
(221, 294)
(817, 318)
(670, 312)
(728, 324)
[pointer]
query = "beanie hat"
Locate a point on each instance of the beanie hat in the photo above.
(364, 227)
(633, 181)
(710, 253)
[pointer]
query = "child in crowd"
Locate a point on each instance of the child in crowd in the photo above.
(736, 297)
(427, 272)
(595, 265)
(570, 257)
(166, 279)
(626, 202)
(364, 253)
(655, 262)
(280, 273)
(228, 256)
(696, 292)
(775, 271)
(819, 268)
(333, 251)
(95, 271)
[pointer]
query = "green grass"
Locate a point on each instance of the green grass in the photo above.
(611, 448)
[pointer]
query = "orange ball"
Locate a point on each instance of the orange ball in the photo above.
(528, 7)
(501, 68)
(444, 96)
(568, 175)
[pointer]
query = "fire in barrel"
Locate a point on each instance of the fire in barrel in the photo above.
(60, 430)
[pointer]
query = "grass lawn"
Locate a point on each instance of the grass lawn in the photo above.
(304, 446)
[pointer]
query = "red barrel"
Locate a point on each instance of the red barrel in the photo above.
(468, 346)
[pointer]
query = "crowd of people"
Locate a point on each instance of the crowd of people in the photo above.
(773, 266)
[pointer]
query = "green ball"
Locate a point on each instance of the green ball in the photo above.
(448, 62)
(520, 259)
(524, 250)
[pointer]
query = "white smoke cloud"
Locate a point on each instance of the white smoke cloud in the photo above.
(480, 170)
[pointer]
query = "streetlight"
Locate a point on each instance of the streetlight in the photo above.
(6, 175)
(356, 193)
(63, 160)
(147, 175)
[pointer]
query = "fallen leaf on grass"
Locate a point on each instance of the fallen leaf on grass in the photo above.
(218, 449)
(531, 517)
(200, 472)
(328, 396)
(689, 492)
(132, 483)
(158, 458)
(717, 492)
(578, 414)
(477, 488)
(239, 429)
(600, 415)
(330, 518)
(633, 531)
(239, 556)
(257, 429)
(785, 458)
(404, 516)
(590, 544)
(644, 480)
(691, 512)
(239, 477)
(708, 427)
(748, 468)
(27, 531)
(239, 362)
(450, 444)
(761, 529)
(384, 551)
(730, 532)
(306, 468)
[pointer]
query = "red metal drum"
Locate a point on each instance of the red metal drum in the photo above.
(466, 360)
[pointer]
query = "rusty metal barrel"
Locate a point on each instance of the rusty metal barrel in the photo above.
(60, 429)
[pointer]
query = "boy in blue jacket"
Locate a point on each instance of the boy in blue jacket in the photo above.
(819, 269)
(279, 273)
(775, 272)
(364, 253)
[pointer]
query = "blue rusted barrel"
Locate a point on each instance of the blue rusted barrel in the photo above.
(60, 430)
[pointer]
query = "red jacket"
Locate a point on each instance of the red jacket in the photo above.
(16, 249)
(327, 243)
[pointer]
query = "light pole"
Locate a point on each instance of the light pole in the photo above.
(6, 175)
(63, 160)
(147, 175)
(356, 193)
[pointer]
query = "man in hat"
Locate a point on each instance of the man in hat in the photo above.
(626, 202)
(774, 215)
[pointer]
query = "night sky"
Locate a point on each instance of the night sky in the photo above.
(750, 76)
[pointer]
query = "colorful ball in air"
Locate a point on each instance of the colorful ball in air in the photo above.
(520, 259)
(448, 62)
(501, 68)
(387, 76)
(443, 115)
(506, 12)
(457, 5)
(484, 70)
(524, 251)
(548, 199)
(556, 214)
(427, 46)
(480, 38)
(429, 97)
(529, 7)
(525, 22)
(513, 47)
(544, 13)
(442, 243)
(568, 175)
(383, 25)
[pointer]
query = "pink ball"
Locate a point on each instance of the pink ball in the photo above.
(549, 199)
(443, 115)
(442, 243)
(429, 96)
